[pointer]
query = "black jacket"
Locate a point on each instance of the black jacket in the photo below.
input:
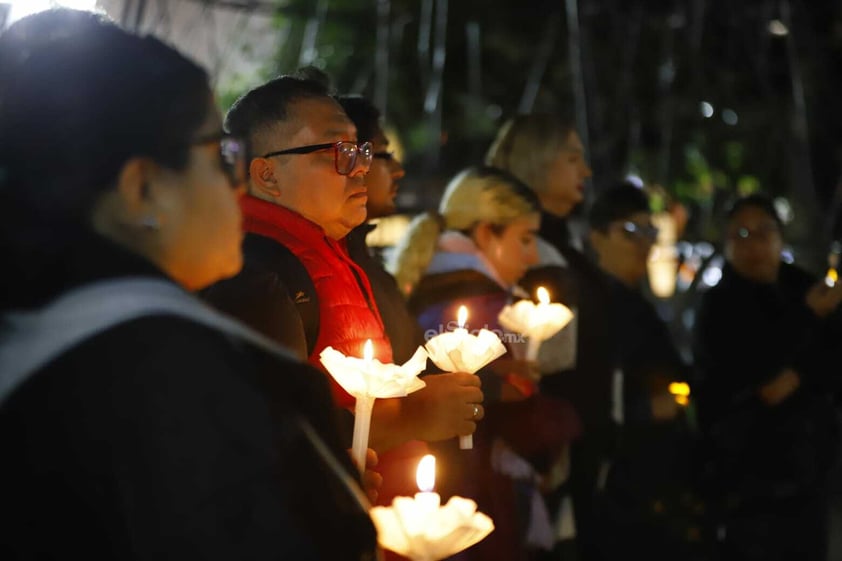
(400, 325)
(745, 334)
(581, 286)
(163, 439)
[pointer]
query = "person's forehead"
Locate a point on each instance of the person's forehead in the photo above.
(324, 118)
(572, 143)
(751, 215)
(641, 217)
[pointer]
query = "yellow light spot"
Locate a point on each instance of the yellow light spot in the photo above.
(679, 388)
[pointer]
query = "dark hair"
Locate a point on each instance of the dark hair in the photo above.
(618, 202)
(363, 113)
(17, 42)
(77, 103)
(755, 200)
(265, 105)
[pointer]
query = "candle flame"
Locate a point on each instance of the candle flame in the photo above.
(679, 389)
(543, 295)
(462, 316)
(682, 400)
(425, 475)
(368, 351)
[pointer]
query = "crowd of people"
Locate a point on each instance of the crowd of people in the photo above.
(173, 275)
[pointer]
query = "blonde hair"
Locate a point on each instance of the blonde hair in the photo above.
(473, 196)
(526, 145)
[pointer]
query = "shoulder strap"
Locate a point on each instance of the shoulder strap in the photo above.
(294, 276)
(30, 340)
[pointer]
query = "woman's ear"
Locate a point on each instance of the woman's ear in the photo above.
(482, 235)
(262, 177)
(133, 191)
(131, 205)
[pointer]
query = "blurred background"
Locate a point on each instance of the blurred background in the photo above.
(695, 100)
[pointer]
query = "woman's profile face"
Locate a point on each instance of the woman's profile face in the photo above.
(515, 249)
(201, 228)
(564, 186)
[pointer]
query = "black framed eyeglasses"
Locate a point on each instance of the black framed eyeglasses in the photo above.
(233, 156)
(346, 154)
(633, 230)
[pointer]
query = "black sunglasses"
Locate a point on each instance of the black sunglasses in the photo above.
(233, 156)
(346, 154)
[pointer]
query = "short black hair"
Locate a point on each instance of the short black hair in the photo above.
(81, 100)
(759, 201)
(363, 113)
(618, 202)
(268, 103)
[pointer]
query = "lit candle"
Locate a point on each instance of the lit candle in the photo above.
(538, 322)
(427, 501)
(362, 413)
(461, 351)
(541, 316)
(368, 379)
(461, 319)
(465, 442)
(421, 528)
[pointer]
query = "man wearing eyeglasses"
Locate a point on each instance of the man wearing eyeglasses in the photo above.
(650, 466)
(299, 285)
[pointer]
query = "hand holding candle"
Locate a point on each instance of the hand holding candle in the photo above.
(460, 351)
(421, 529)
(538, 322)
(367, 379)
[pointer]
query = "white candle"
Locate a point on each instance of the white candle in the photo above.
(362, 414)
(427, 501)
(465, 442)
(421, 528)
(538, 322)
(460, 351)
(542, 311)
(368, 379)
(461, 319)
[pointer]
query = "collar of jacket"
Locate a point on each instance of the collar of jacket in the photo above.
(276, 221)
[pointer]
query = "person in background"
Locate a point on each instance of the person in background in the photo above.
(764, 339)
(651, 505)
(381, 183)
(472, 253)
(401, 327)
(306, 193)
(136, 422)
(546, 153)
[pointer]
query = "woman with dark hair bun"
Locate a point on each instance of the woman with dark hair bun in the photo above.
(136, 422)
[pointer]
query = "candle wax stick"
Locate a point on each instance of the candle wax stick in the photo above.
(465, 442)
(362, 424)
(532, 346)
